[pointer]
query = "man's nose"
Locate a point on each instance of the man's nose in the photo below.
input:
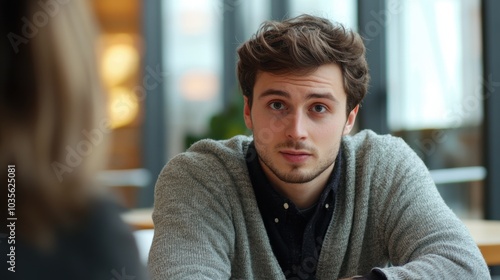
(297, 127)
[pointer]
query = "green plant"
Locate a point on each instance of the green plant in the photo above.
(223, 125)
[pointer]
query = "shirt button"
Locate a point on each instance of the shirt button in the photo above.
(276, 220)
(326, 206)
(285, 205)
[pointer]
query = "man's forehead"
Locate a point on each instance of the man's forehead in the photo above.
(327, 76)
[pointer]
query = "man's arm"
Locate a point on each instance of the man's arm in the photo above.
(193, 230)
(425, 239)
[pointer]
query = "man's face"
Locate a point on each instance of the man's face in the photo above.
(297, 123)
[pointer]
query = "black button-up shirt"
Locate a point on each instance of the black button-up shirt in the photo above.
(296, 235)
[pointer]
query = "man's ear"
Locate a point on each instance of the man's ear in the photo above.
(247, 114)
(351, 118)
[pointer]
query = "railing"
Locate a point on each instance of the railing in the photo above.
(458, 175)
(139, 177)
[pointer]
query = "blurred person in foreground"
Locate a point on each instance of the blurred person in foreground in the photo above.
(53, 132)
(302, 199)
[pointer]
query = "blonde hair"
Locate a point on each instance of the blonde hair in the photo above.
(51, 104)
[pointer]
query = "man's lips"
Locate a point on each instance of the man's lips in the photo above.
(295, 156)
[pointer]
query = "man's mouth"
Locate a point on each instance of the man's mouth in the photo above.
(295, 156)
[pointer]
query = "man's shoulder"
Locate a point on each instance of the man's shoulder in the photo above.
(368, 137)
(235, 146)
(382, 158)
(371, 144)
(208, 166)
(211, 155)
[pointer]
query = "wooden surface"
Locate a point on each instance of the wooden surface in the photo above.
(486, 234)
(139, 218)
(487, 237)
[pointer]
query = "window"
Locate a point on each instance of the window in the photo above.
(193, 62)
(435, 93)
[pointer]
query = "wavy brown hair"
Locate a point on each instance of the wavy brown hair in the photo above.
(301, 45)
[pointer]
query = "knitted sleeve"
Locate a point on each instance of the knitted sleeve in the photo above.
(193, 230)
(424, 238)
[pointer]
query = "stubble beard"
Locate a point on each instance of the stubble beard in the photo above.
(296, 175)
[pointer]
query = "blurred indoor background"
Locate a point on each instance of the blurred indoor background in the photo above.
(169, 72)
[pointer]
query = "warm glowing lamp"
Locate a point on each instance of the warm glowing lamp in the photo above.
(123, 106)
(120, 62)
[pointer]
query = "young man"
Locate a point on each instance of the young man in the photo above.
(301, 199)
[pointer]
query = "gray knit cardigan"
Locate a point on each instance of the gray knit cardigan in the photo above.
(388, 216)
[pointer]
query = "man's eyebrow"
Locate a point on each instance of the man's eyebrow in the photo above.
(285, 94)
(274, 92)
(322, 95)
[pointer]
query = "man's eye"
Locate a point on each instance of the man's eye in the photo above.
(319, 108)
(277, 106)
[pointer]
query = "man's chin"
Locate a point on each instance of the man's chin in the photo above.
(296, 177)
